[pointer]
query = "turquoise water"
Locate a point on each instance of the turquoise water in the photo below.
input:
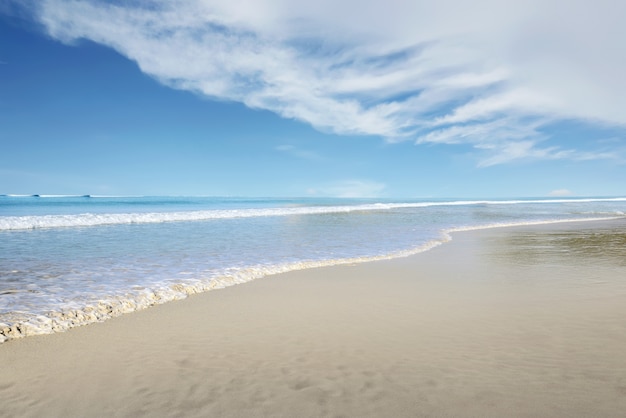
(70, 260)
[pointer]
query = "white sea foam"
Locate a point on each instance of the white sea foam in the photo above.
(18, 325)
(96, 219)
(529, 223)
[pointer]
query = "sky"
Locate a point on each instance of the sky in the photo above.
(346, 98)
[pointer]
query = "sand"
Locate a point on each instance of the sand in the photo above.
(524, 321)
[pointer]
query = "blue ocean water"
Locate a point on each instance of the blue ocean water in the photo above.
(70, 260)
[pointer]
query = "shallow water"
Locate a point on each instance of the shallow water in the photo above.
(66, 261)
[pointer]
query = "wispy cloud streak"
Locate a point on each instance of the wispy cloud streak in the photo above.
(300, 153)
(490, 74)
(350, 189)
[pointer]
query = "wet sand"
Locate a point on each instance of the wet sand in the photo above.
(524, 322)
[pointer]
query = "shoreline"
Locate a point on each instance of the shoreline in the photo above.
(62, 321)
(486, 325)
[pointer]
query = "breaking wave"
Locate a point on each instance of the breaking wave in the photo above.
(96, 219)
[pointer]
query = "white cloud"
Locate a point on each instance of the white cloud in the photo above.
(560, 192)
(350, 188)
(487, 73)
(299, 153)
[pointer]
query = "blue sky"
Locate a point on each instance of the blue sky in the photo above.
(290, 98)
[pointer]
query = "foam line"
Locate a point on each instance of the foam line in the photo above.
(96, 219)
(18, 327)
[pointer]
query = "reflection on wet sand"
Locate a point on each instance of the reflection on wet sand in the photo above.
(606, 246)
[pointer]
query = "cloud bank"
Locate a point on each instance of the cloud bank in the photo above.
(490, 74)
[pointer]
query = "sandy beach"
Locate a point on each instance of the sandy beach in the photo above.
(521, 321)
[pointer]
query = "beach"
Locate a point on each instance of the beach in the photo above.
(518, 321)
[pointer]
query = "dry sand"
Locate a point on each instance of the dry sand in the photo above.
(525, 321)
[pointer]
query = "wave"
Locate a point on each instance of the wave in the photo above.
(47, 196)
(16, 195)
(99, 219)
(95, 219)
(57, 196)
(19, 325)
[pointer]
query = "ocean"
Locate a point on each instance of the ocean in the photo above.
(67, 261)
